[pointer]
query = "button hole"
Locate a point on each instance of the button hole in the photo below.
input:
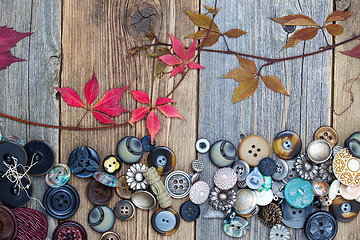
(253, 146)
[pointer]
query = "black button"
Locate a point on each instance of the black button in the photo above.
(69, 230)
(344, 210)
(10, 150)
(32, 224)
(112, 164)
(43, 154)
(124, 210)
(189, 211)
(353, 143)
(14, 197)
(267, 166)
(321, 226)
(9, 227)
(146, 142)
(84, 162)
(62, 202)
(98, 193)
(163, 159)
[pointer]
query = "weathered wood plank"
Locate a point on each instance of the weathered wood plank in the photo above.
(266, 113)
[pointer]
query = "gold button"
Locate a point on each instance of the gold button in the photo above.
(123, 189)
(252, 149)
(328, 134)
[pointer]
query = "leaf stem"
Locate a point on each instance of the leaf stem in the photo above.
(327, 43)
(82, 118)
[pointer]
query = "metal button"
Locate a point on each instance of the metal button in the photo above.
(130, 150)
(123, 190)
(245, 201)
(84, 162)
(178, 184)
(294, 217)
(112, 164)
(278, 189)
(135, 176)
(235, 226)
(13, 196)
(292, 173)
(346, 167)
(320, 226)
(32, 224)
(319, 151)
(124, 210)
(326, 171)
(254, 180)
(69, 230)
(253, 148)
(267, 166)
(336, 149)
(325, 201)
(199, 192)
(197, 165)
(281, 169)
(58, 176)
(306, 168)
(202, 145)
(143, 199)
(241, 169)
(353, 143)
(279, 232)
(146, 142)
(298, 193)
(8, 223)
(189, 211)
(43, 154)
(287, 144)
(99, 193)
(101, 218)
(9, 151)
(222, 200)
(165, 221)
(110, 236)
(328, 134)
(344, 210)
(194, 178)
(270, 215)
(163, 159)
(225, 178)
(222, 153)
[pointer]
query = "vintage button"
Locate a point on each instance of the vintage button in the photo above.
(199, 192)
(123, 190)
(15, 139)
(194, 178)
(306, 168)
(61, 202)
(163, 159)
(346, 168)
(334, 189)
(222, 200)
(292, 173)
(101, 218)
(135, 176)
(241, 169)
(254, 180)
(165, 221)
(242, 184)
(178, 184)
(69, 230)
(266, 184)
(294, 217)
(325, 201)
(278, 189)
(353, 143)
(279, 232)
(245, 201)
(326, 171)
(130, 150)
(58, 176)
(84, 162)
(319, 151)
(267, 166)
(344, 210)
(336, 149)
(124, 210)
(146, 142)
(98, 193)
(41, 153)
(225, 178)
(253, 148)
(202, 145)
(112, 164)
(287, 144)
(9, 151)
(14, 196)
(270, 215)
(106, 179)
(143, 199)
(31, 223)
(264, 198)
(320, 188)
(235, 226)
(110, 236)
(8, 224)
(189, 211)
(222, 153)
(328, 134)
(298, 193)
(197, 165)
(321, 226)
(349, 192)
(281, 169)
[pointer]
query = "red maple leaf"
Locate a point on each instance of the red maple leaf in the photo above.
(152, 121)
(8, 39)
(108, 106)
(181, 57)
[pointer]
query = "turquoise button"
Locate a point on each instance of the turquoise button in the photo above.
(299, 193)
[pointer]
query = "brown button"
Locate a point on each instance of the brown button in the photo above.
(328, 134)
(287, 144)
(69, 230)
(123, 190)
(99, 193)
(253, 148)
(8, 224)
(110, 236)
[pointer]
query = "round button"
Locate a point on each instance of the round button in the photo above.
(130, 150)
(146, 142)
(58, 176)
(10, 152)
(253, 148)
(281, 169)
(163, 159)
(353, 143)
(222, 200)
(349, 192)
(222, 153)
(84, 162)
(325, 201)
(235, 226)
(143, 199)
(328, 134)
(62, 202)
(287, 144)
(264, 197)
(165, 221)
(319, 151)
(334, 189)
(241, 169)
(8, 223)
(41, 153)
(279, 232)
(14, 196)
(306, 168)
(298, 193)
(320, 188)
(245, 201)
(197, 165)
(326, 171)
(124, 210)
(294, 217)
(101, 219)
(31, 224)
(225, 178)
(270, 215)
(178, 184)
(99, 193)
(199, 192)
(189, 211)
(267, 166)
(344, 210)
(346, 168)
(292, 173)
(202, 145)
(321, 226)
(278, 189)
(254, 180)
(110, 235)
(106, 179)
(69, 230)
(112, 164)
(194, 177)
(123, 190)
(135, 176)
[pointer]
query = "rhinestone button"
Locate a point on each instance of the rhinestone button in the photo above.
(178, 184)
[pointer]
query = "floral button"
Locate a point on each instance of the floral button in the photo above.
(306, 168)
(222, 200)
(279, 232)
(253, 148)
(328, 134)
(287, 144)
(135, 176)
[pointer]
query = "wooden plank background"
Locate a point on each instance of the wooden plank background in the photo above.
(74, 38)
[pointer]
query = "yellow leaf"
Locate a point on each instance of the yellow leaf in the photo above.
(240, 74)
(234, 33)
(202, 21)
(247, 63)
(274, 84)
(245, 90)
(334, 29)
(297, 20)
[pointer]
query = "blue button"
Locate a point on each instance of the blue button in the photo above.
(189, 211)
(299, 193)
(146, 142)
(165, 221)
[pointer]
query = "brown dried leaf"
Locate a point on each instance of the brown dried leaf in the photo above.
(199, 34)
(247, 63)
(210, 40)
(240, 74)
(334, 29)
(355, 52)
(160, 52)
(298, 20)
(274, 84)
(150, 36)
(338, 16)
(302, 34)
(245, 90)
(160, 68)
(234, 33)
(202, 21)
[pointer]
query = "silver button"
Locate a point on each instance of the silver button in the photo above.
(319, 151)
(197, 165)
(281, 170)
(194, 178)
(292, 173)
(241, 169)
(278, 188)
(178, 184)
(202, 145)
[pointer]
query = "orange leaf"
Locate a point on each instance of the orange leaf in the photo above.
(210, 40)
(355, 52)
(240, 75)
(297, 20)
(274, 84)
(302, 34)
(234, 33)
(245, 90)
(334, 29)
(247, 63)
(202, 21)
(338, 16)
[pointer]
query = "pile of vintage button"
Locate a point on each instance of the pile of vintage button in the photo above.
(291, 190)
